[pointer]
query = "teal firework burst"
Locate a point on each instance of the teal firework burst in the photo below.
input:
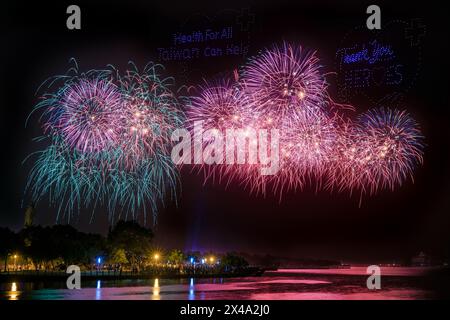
(109, 135)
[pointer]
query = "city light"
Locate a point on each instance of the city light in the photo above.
(156, 290)
(13, 294)
(15, 261)
(191, 289)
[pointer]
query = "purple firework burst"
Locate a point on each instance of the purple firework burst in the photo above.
(88, 114)
(285, 79)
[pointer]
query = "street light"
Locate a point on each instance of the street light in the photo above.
(15, 261)
(211, 259)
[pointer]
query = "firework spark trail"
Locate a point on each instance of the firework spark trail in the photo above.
(379, 151)
(85, 110)
(308, 142)
(285, 80)
(282, 88)
(393, 147)
(218, 107)
(110, 135)
(91, 115)
(95, 158)
(66, 177)
(285, 88)
(152, 113)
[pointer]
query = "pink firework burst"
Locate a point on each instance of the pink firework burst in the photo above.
(308, 142)
(223, 107)
(284, 88)
(380, 151)
(347, 169)
(220, 105)
(284, 80)
(394, 147)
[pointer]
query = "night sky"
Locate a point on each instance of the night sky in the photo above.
(390, 225)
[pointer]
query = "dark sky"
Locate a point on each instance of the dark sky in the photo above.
(390, 225)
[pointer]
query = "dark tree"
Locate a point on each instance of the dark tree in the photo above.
(8, 243)
(232, 261)
(134, 239)
(38, 245)
(45, 244)
(67, 243)
(75, 247)
(92, 245)
(176, 257)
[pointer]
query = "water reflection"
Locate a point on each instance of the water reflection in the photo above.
(13, 294)
(98, 292)
(191, 289)
(156, 290)
(275, 285)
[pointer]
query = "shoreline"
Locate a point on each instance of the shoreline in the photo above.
(32, 275)
(29, 276)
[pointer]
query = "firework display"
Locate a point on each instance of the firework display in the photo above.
(110, 142)
(284, 88)
(221, 106)
(384, 148)
(285, 80)
(87, 113)
(152, 112)
(111, 132)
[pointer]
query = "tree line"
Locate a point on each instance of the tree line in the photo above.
(127, 246)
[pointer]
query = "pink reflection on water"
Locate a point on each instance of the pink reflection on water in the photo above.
(177, 292)
(292, 281)
(372, 295)
(284, 284)
(360, 271)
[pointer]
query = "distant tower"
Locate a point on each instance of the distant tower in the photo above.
(29, 216)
